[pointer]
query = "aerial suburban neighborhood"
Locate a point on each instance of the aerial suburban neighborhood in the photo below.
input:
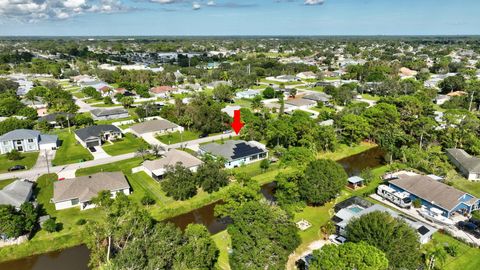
(263, 135)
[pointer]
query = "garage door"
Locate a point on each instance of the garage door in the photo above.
(93, 143)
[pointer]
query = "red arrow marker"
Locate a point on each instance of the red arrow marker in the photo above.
(237, 124)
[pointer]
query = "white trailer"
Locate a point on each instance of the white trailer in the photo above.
(401, 199)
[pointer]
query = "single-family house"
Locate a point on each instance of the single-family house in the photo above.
(53, 119)
(356, 207)
(440, 99)
(301, 103)
(79, 191)
(96, 135)
(434, 194)
(468, 165)
(160, 126)
(318, 97)
(308, 75)
(235, 152)
(162, 91)
(230, 110)
(109, 114)
(106, 91)
(157, 168)
(16, 193)
(27, 140)
(250, 93)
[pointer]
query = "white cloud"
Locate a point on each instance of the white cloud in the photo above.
(314, 2)
(196, 6)
(36, 10)
(211, 3)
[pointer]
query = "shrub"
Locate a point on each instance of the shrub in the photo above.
(81, 221)
(147, 200)
(50, 225)
(14, 155)
(452, 250)
(265, 164)
(417, 203)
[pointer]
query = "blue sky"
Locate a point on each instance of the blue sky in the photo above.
(239, 17)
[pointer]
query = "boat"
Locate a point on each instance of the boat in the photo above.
(435, 215)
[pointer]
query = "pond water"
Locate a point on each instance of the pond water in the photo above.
(369, 159)
(76, 258)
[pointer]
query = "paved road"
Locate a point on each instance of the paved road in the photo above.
(64, 169)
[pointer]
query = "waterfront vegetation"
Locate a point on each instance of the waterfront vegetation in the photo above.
(27, 159)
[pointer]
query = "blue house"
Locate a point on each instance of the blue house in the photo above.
(434, 193)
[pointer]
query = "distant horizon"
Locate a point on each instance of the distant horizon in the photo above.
(241, 18)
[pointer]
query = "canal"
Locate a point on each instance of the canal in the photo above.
(76, 258)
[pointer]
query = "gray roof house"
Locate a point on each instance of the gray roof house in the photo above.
(236, 152)
(155, 126)
(157, 168)
(27, 140)
(95, 135)
(79, 191)
(16, 193)
(468, 165)
(108, 114)
(301, 102)
(353, 209)
(322, 97)
(52, 118)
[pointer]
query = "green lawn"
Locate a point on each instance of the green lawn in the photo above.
(71, 150)
(224, 243)
(468, 258)
(28, 160)
(4, 183)
(244, 103)
(370, 97)
(177, 137)
(78, 94)
(128, 144)
(471, 187)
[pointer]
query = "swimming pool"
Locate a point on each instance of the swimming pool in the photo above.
(355, 208)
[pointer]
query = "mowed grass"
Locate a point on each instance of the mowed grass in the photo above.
(28, 160)
(224, 244)
(128, 144)
(468, 258)
(71, 150)
(471, 187)
(177, 137)
(4, 183)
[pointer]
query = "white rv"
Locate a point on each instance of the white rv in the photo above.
(401, 199)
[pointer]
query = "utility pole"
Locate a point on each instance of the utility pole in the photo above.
(471, 100)
(68, 122)
(46, 159)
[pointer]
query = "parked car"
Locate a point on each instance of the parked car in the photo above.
(475, 221)
(16, 168)
(92, 149)
(203, 136)
(469, 227)
(304, 263)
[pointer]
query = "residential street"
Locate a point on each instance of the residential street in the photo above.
(65, 169)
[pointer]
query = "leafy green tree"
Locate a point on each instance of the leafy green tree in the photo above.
(359, 256)
(324, 179)
(50, 225)
(30, 214)
(326, 138)
(81, 120)
(393, 236)
(297, 156)
(353, 128)
(238, 196)
(12, 223)
(453, 83)
(13, 123)
(127, 102)
(223, 93)
(107, 100)
(264, 164)
(211, 176)
(268, 93)
(262, 237)
(179, 183)
(199, 250)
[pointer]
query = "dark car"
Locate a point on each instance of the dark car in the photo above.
(92, 149)
(475, 221)
(16, 168)
(467, 226)
(203, 136)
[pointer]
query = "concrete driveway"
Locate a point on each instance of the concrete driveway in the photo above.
(99, 153)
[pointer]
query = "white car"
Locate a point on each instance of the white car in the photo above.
(337, 239)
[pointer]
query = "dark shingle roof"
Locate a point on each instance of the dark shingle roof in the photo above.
(95, 131)
(107, 112)
(469, 162)
(232, 150)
